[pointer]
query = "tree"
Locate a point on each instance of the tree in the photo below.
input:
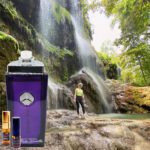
(133, 16)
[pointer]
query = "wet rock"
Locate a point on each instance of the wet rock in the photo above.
(97, 96)
(29, 9)
(93, 133)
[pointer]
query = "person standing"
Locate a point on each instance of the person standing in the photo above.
(79, 99)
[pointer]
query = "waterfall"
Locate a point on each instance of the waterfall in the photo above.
(45, 17)
(56, 97)
(87, 54)
(101, 88)
(45, 27)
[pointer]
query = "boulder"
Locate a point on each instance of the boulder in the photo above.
(128, 98)
(97, 97)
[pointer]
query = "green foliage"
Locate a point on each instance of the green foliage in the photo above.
(55, 66)
(137, 61)
(9, 6)
(133, 16)
(87, 25)
(4, 36)
(110, 64)
(60, 53)
(60, 13)
(8, 52)
(18, 23)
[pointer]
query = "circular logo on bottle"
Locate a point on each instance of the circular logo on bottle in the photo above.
(26, 99)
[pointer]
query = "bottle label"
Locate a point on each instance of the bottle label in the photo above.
(16, 142)
(26, 99)
(5, 136)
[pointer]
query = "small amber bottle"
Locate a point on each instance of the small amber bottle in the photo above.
(6, 127)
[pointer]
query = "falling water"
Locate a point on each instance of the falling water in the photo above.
(87, 54)
(45, 17)
(57, 98)
(85, 51)
(52, 94)
(45, 22)
(101, 88)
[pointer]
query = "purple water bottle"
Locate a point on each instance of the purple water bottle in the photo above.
(26, 84)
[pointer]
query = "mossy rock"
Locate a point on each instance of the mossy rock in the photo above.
(9, 51)
(138, 98)
(60, 13)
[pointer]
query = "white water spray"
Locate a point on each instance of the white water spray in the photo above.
(101, 88)
(85, 51)
(45, 22)
(87, 54)
(45, 17)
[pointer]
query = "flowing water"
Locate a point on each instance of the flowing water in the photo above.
(45, 22)
(126, 116)
(87, 55)
(101, 88)
(53, 89)
(45, 17)
(86, 52)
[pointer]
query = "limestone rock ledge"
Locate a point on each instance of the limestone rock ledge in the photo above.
(67, 132)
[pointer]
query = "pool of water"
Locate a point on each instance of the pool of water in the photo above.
(126, 116)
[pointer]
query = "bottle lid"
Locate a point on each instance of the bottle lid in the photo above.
(26, 55)
(5, 119)
(15, 126)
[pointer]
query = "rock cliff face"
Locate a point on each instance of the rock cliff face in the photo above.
(29, 9)
(21, 20)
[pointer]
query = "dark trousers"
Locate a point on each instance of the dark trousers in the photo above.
(79, 100)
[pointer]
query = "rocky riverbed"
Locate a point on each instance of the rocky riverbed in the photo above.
(65, 131)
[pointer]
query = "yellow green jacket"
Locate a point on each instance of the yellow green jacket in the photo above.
(79, 92)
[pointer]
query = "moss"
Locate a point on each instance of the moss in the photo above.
(138, 98)
(29, 38)
(60, 13)
(18, 23)
(9, 51)
(28, 32)
(3, 27)
(9, 6)
(56, 67)
(60, 53)
(87, 25)
(6, 37)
